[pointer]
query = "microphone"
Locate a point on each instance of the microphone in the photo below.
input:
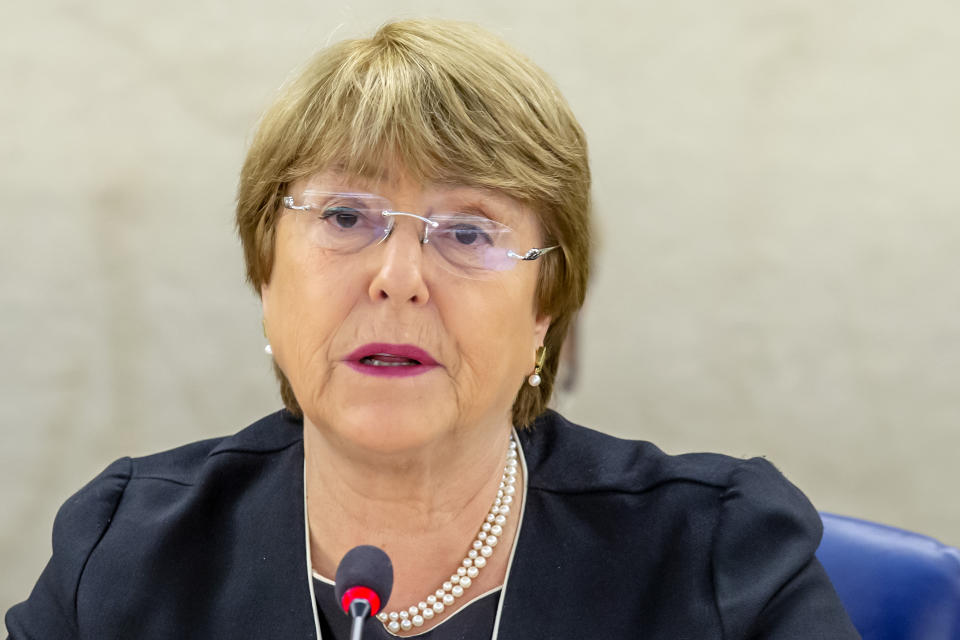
(363, 584)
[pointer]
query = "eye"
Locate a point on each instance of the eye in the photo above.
(467, 234)
(469, 231)
(342, 217)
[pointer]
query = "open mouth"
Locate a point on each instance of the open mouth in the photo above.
(388, 360)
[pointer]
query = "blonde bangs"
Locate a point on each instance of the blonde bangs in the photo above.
(438, 105)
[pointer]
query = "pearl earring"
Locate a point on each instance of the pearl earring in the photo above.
(267, 349)
(534, 379)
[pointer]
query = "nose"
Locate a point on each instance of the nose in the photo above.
(399, 276)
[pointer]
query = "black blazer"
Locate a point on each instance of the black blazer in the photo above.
(618, 540)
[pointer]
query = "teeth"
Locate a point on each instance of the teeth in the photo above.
(387, 360)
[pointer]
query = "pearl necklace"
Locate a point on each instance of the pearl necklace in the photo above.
(475, 560)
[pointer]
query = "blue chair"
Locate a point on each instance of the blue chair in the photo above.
(895, 584)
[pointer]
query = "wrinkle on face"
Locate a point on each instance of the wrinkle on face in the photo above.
(482, 332)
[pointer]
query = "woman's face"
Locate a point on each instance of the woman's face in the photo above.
(388, 347)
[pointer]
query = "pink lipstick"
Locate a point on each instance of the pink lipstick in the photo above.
(390, 360)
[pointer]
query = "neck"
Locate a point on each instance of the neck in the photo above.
(423, 508)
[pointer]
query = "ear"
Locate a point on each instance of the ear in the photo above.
(540, 326)
(264, 297)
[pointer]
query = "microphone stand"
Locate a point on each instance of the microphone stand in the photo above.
(359, 611)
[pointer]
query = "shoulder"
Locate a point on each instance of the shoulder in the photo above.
(605, 463)
(736, 529)
(121, 526)
(190, 488)
(566, 458)
(188, 464)
(89, 511)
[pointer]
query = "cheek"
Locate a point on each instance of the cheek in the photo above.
(509, 309)
(305, 305)
(493, 326)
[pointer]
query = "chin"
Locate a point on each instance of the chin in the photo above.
(387, 428)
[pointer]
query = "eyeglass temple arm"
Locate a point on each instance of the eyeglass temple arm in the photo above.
(533, 254)
(288, 204)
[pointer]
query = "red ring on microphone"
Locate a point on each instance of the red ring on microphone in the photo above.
(360, 593)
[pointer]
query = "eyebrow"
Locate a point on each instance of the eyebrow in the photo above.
(487, 201)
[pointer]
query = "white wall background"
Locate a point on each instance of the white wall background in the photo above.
(776, 184)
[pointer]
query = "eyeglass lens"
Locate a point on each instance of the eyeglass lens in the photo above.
(469, 244)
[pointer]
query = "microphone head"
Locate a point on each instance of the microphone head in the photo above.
(364, 572)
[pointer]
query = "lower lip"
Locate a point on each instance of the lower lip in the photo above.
(401, 371)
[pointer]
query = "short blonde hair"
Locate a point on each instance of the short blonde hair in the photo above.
(451, 103)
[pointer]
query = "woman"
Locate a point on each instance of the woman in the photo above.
(414, 212)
